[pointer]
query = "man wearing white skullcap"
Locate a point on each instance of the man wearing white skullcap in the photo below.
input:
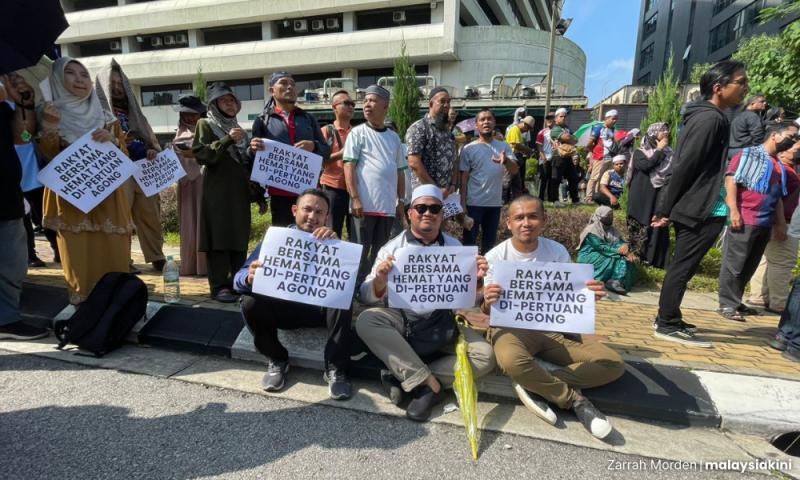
(601, 156)
(388, 332)
(564, 158)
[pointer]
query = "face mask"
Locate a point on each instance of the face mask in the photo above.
(607, 221)
(785, 144)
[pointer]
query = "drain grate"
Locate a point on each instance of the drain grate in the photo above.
(788, 443)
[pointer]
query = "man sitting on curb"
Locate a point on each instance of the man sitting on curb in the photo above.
(265, 315)
(583, 365)
(386, 331)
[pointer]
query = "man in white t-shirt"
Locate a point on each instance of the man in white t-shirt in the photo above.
(373, 156)
(583, 365)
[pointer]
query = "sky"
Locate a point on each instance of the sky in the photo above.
(606, 31)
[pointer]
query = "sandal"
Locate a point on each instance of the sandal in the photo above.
(731, 314)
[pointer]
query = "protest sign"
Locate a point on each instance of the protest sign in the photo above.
(432, 278)
(87, 172)
(544, 296)
(159, 174)
(286, 167)
(452, 205)
(299, 268)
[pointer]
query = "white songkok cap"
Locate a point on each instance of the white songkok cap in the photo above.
(427, 190)
(561, 110)
(612, 113)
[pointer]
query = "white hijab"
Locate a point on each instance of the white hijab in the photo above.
(79, 115)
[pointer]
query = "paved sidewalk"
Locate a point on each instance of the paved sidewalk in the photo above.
(625, 323)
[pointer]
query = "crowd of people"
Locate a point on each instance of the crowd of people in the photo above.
(387, 192)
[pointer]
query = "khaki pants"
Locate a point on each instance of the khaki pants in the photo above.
(146, 212)
(772, 280)
(584, 365)
(598, 168)
(383, 330)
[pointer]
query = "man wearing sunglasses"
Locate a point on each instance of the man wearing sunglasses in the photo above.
(391, 333)
(332, 179)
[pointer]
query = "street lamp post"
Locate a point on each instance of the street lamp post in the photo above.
(555, 15)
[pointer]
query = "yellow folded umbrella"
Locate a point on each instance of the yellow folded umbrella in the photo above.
(464, 386)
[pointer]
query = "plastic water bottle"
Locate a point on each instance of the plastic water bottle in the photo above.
(172, 283)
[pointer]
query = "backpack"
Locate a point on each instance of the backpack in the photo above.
(333, 135)
(102, 322)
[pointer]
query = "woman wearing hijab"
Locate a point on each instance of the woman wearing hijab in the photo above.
(190, 187)
(602, 246)
(220, 145)
(652, 166)
(95, 243)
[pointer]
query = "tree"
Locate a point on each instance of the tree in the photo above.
(773, 61)
(199, 85)
(404, 108)
(698, 69)
(664, 103)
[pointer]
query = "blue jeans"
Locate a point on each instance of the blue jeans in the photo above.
(13, 268)
(487, 218)
(789, 326)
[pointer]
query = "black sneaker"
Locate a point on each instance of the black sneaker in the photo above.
(22, 331)
(690, 327)
(339, 386)
(778, 342)
(616, 286)
(392, 386)
(680, 335)
(422, 403)
(275, 377)
(595, 422)
(36, 262)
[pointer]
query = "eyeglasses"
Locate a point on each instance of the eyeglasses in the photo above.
(422, 208)
(348, 103)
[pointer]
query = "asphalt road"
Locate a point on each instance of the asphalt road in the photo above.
(64, 421)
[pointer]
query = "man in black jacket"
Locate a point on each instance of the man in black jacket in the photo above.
(747, 126)
(283, 121)
(693, 200)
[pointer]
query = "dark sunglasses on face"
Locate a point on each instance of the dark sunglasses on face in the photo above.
(348, 103)
(422, 208)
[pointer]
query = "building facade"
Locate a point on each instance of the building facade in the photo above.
(461, 44)
(695, 31)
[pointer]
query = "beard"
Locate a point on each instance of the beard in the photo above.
(440, 120)
(120, 103)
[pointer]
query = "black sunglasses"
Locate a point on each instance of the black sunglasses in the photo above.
(422, 208)
(348, 103)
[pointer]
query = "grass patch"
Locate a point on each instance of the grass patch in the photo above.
(173, 239)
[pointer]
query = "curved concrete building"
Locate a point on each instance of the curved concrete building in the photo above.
(461, 44)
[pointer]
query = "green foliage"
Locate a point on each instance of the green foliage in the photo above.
(404, 107)
(200, 86)
(170, 221)
(664, 104)
(698, 69)
(531, 169)
(773, 65)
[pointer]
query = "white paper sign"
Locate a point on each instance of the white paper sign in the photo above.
(452, 205)
(87, 172)
(159, 174)
(433, 278)
(286, 167)
(300, 268)
(544, 296)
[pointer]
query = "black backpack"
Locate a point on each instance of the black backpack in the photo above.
(102, 322)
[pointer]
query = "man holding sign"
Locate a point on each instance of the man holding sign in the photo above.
(265, 315)
(404, 340)
(583, 365)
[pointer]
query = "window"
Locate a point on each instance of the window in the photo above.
(647, 5)
(650, 26)
(489, 13)
(734, 27)
(644, 79)
(720, 5)
(233, 34)
(94, 48)
(163, 41)
(156, 95)
(250, 89)
(79, 5)
(646, 55)
(393, 17)
(299, 27)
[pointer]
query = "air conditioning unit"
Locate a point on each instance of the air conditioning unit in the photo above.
(527, 92)
(169, 40)
(115, 46)
(332, 23)
(399, 16)
(300, 25)
(639, 95)
(471, 92)
(155, 42)
(182, 39)
(318, 25)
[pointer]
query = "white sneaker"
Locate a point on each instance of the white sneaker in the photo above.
(536, 404)
(592, 419)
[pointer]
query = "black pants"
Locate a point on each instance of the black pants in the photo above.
(340, 208)
(691, 244)
(563, 168)
(602, 199)
(35, 198)
(372, 232)
(222, 266)
(281, 210)
(545, 173)
(741, 252)
(265, 315)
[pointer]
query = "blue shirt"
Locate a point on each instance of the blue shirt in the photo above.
(30, 166)
(240, 279)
